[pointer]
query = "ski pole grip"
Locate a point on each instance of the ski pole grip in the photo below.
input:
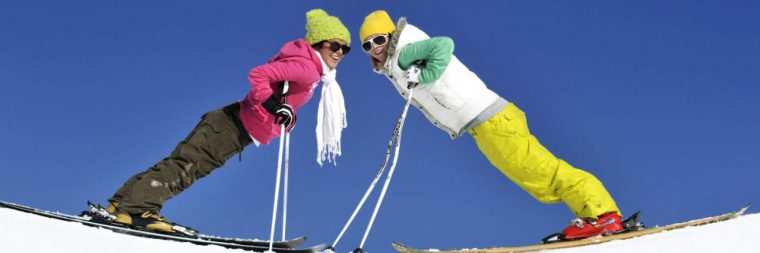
(284, 88)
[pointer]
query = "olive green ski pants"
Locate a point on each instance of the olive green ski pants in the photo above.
(217, 137)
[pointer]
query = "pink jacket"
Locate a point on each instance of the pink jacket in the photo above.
(298, 63)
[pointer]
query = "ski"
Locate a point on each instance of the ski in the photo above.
(97, 213)
(588, 241)
(232, 243)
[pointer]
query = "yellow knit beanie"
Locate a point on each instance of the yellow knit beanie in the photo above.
(377, 22)
(321, 26)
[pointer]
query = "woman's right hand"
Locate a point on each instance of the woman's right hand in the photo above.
(283, 113)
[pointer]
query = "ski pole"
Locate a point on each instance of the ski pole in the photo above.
(390, 172)
(277, 181)
(285, 190)
(287, 168)
(395, 137)
(371, 186)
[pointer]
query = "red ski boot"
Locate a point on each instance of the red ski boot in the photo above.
(605, 224)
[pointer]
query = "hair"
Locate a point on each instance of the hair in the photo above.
(318, 45)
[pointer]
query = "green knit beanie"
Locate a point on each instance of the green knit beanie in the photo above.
(321, 26)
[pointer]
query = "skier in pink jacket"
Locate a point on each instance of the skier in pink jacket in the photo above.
(224, 132)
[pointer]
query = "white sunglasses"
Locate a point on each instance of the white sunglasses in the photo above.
(376, 41)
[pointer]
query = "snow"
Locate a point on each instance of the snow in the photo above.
(22, 232)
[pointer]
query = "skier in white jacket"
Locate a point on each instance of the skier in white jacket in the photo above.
(455, 100)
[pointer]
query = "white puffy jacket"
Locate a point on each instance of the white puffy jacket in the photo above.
(452, 101)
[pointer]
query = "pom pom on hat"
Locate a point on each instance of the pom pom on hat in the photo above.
(321, 26)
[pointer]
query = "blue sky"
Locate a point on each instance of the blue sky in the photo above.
(657, 99)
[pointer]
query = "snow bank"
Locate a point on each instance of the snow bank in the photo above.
(22, 232)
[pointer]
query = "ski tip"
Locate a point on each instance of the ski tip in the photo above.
(744, 209)
(399, 245)
(320, 247)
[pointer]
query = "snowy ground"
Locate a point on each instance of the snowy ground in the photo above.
(21, 232)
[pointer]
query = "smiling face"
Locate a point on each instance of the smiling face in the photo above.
(379, 52)
(332, 58)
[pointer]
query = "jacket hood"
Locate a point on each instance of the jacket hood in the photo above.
(298, 48)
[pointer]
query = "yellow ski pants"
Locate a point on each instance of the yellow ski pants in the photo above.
(508, 144)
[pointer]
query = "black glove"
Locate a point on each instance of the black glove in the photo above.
(283, 113)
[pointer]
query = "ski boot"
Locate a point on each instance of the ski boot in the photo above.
(112, 209)
(582, 228)
(148, 220)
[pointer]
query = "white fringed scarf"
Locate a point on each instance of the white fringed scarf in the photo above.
(331, 116)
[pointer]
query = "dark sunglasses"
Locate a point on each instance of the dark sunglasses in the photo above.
(335, 46)
(379, 41)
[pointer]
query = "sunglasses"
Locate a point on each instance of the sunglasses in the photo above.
(376, 41)
(335, 46)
